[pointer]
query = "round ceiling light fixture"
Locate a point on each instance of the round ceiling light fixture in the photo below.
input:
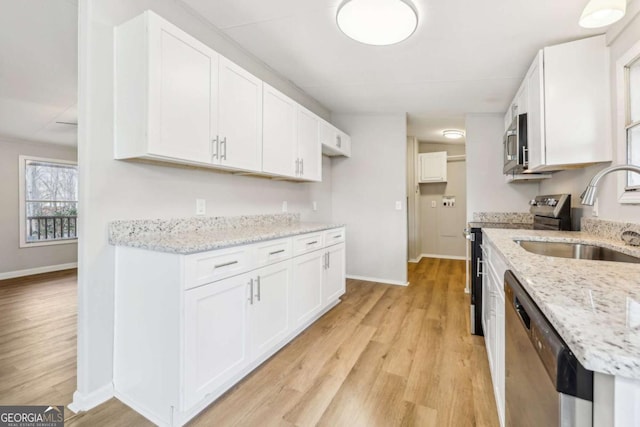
(377, 22)
(600, 13)
(453, 134)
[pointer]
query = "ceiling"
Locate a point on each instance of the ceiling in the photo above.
(465, 56)
(38, 70)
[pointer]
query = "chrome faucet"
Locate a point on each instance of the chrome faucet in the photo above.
(589, 194)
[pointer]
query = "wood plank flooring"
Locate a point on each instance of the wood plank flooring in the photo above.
(386, 356)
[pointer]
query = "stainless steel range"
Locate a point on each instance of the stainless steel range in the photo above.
(551, 212)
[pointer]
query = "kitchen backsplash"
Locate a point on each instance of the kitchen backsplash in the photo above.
(124, 228)
(503, 217)
(607, 229)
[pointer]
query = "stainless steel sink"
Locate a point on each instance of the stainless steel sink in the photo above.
(576, 250)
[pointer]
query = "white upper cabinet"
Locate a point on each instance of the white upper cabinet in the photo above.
(240, 117)
(279, 137)
(166, 92)
(432, 167)
(178, 100)
(309, 164)
(334, 141)
(569, 106)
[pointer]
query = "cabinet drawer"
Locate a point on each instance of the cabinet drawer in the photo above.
(334, 236)
(215, 265)
(273, 251)
(307, 243)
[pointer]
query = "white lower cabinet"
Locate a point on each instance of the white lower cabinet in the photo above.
(216, 345)
(333, 283)
(269, 306)
(188, 327)
(493, 321)
(308, 272)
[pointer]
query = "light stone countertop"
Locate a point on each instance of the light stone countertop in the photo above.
(594, 305)
(192, 235)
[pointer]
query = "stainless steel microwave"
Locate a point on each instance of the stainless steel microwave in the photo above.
(515, 145)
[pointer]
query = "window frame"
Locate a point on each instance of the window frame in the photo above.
(623, 121)
(22, 161)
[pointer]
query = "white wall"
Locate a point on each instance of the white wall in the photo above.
(13, 259)
(441, 227)
(575, 181)
(365, 190)
(487, 190)
(111, 189)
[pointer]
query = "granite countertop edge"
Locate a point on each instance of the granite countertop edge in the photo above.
(585, 301)
(191, 242)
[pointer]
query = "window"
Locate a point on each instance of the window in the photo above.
(48, 201)
(632, 122)
(627, 128)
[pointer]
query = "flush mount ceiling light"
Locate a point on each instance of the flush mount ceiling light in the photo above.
(453, 134)
(377, 22)
(600, 13)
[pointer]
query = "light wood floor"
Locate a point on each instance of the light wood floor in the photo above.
(386, 356)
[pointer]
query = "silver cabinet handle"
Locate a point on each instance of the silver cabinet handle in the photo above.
(226, 264)
(214, 148)
(297, 167)
(276, 252)
(251, 292)
(258, 282)
(337, 236)
(301, 166)
(479, 269)
(223, 143)
(312, 243)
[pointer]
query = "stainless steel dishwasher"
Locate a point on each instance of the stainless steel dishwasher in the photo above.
(545, 385)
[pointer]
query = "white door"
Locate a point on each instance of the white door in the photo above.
(215, 335)
(334, 278)
(182, 93)
(269, 312)
(279, 139)
(306, 290)
(309, 149)
(240, 117)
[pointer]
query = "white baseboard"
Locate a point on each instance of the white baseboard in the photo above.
(457, 257)
(375, 279)
(84, 402)
(37, 270)
(415, 260)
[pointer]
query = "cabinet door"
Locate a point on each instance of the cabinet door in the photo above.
(306, 295)
(433, 167)
(499, 357)
(240, 117)
(333, 285)
(535, 114)
(182, 93)
(309, 150)
(269, 312)
(215, 335)
(279, 139)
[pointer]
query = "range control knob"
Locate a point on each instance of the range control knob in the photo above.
(533, 202)
(552, 202)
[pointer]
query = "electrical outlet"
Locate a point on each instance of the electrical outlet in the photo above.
(398, 205)
(315, 206)
(433, 204)
(201, 206)
(284, 206)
